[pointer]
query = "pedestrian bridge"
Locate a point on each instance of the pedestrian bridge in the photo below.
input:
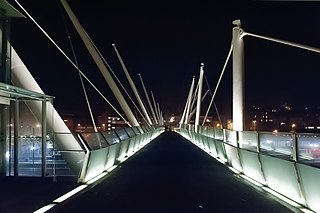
(283, 164)
(246, 171)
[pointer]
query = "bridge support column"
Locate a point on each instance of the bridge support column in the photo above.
(198, 110)
(238, 78)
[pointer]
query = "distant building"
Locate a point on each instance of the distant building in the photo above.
(108, 121)
(69, 120)
(284, 119)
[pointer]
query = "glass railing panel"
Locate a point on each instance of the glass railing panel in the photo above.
(204, 130)
(218, 134)
(145, 128)
(309, 148)
(210, 132)
(111, 137)
(58, 166)
(122, 134)
(248, 140)
(231, 137)
(130, 132)
(276, 143)
(191, 127)
(94, 140)
(136, 130)
(200, 129)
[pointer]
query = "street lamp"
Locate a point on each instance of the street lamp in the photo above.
(254, 124)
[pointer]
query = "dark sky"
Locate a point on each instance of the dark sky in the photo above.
(166, 42)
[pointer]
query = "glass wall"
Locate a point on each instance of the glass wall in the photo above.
(22, 150)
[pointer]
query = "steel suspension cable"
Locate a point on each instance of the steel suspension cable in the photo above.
(214, 103)
(116, 77)
(289, 43)
(80, 76)
(215, 90)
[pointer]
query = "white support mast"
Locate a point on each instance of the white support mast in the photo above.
(148, 99)
(133, 86)
(105, 72)
(189, 101)
(238, 78)
(155, 108)
(196, 122)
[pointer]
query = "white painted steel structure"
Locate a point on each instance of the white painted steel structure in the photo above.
(102, 67)
(199, 96)
(21, 77)
(284, 164)
(238, 78)
(133, 86)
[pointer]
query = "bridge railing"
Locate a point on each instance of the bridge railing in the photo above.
(100, 151)
(106, 149)
(286, 162)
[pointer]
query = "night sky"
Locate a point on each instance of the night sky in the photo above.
(166, 42)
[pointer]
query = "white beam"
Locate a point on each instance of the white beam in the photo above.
(196, 122)
(238, 78)
(99, 62)
(133, 86)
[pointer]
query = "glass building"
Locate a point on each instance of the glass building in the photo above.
(26, 144)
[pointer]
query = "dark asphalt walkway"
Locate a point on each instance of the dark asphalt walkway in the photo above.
(27, 194)
(172, 175)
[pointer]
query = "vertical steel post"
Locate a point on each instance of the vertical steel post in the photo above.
(16, 139)
(189, 100)
(196, 122)
(238, 78)
(43, 136)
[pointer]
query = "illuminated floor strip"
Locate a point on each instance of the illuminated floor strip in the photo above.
(74, 191)
(89, 182)
(69, 194)
(45, 208)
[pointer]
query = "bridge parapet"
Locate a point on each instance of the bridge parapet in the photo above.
(103, 150)
(285, 162)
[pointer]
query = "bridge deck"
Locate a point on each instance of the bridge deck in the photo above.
(172, 175)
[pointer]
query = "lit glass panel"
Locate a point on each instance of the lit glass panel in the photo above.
(122, 134)
(277, 144)
(309, 149)
(248, 140)
(95, 140)
(111, 137)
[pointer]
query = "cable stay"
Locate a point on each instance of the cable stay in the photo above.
(81, 79)
(214, 103)
(156, 108)
(194, 95)
(187, 105)
(202, 98)
(133, 86)
(100, 64)
(72, 63)
(116, 77)
(289, 43)
(218, 83)
(148, 99)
